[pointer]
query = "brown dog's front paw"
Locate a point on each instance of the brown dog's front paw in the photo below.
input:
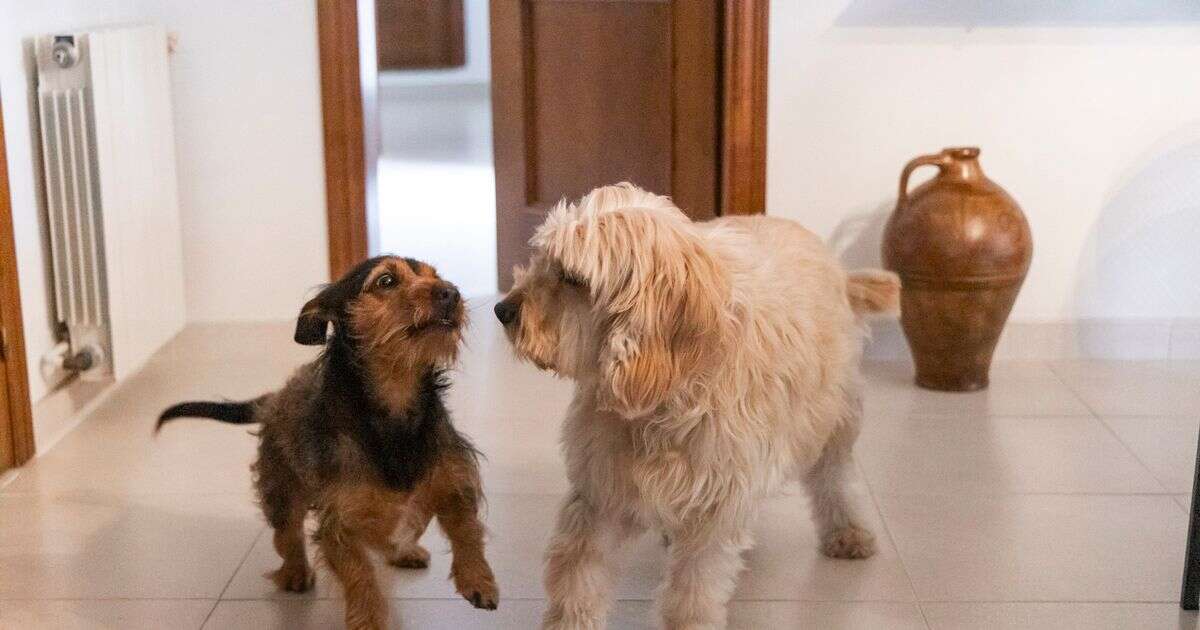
(852, 543)
(294, 578)
(478, 587)
(412, 557)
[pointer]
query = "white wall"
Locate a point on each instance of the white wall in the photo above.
(1088, 113)
(247, 119)
(478, 66)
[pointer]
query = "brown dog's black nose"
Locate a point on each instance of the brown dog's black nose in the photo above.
(506, 311)
(445, 297)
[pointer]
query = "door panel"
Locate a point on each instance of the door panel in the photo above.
(594, 92)
(419, 34)
(599, 110)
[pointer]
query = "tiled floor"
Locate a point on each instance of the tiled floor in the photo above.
(1054, 500)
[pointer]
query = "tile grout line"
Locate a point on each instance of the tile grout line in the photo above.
(236, 570)
(1111, 431)
(1067, 386)
(891, 538)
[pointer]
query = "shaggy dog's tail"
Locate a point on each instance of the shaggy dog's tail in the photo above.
(873, 291)
(231, 412)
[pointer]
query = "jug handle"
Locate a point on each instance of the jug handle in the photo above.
(940, 160)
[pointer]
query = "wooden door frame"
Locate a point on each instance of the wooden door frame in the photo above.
(744, 108)
(348, 87)
(346, 51)
(12, 344)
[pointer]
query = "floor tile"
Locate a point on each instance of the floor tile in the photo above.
(525, 614)
(93, 545)
(1184, 501)
(105, 614)
(996, 455)
(1016, 389)
(1039, 547)
(1074, 616)
(411, 614)
(785, 563)
(1167, 446)
(825, 615)
(1134, 388)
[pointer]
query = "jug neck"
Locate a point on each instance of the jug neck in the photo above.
(961, 163)
(967, 170)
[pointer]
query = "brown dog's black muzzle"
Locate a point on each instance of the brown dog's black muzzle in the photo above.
(445, 299)
(506, 311)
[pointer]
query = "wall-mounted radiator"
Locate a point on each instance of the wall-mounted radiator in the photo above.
(108, 155)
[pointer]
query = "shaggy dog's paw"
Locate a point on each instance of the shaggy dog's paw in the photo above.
(293, 578)
(413, 557)
(556, 619)
(850, 543)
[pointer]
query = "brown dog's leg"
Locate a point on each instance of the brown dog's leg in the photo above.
(343, 548)
(405, 552)
(455, 495)
(295, 575)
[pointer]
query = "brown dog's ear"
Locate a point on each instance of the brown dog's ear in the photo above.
(312, 325)
(329, 307)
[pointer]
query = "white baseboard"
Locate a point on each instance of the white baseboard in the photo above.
(1078, 339)
(64, 408)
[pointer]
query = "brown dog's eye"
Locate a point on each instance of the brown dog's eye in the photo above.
(386, 281)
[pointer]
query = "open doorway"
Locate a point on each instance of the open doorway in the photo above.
(674, 100)
(436, 182)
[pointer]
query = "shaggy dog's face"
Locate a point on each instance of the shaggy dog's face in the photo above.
(548, 315)
(620, 293)
(390, 306)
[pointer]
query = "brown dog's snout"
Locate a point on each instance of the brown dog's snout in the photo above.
(445, 297)
(506, 311)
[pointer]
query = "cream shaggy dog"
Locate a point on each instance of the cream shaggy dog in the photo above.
(713, 362)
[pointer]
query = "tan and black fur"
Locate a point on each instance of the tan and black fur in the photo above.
(361, 437)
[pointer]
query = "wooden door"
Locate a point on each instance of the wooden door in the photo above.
(16, 418)
(420, 34)
(594, 92)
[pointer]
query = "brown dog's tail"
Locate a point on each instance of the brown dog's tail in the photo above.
(873, 291)
(231, 412)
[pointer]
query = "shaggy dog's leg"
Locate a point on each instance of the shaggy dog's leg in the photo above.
(578, 566)
(703, 572)
(840, 531)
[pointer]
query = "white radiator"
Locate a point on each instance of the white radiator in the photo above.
(108, 153)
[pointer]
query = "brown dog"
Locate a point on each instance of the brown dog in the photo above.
(361, 437)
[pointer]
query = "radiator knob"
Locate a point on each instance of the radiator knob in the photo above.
(64, 52)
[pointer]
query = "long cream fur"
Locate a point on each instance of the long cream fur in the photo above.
(713, 362)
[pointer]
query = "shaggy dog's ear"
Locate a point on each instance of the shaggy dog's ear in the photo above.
(662, 292)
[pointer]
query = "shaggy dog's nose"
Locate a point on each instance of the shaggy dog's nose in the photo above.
(506, 312)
